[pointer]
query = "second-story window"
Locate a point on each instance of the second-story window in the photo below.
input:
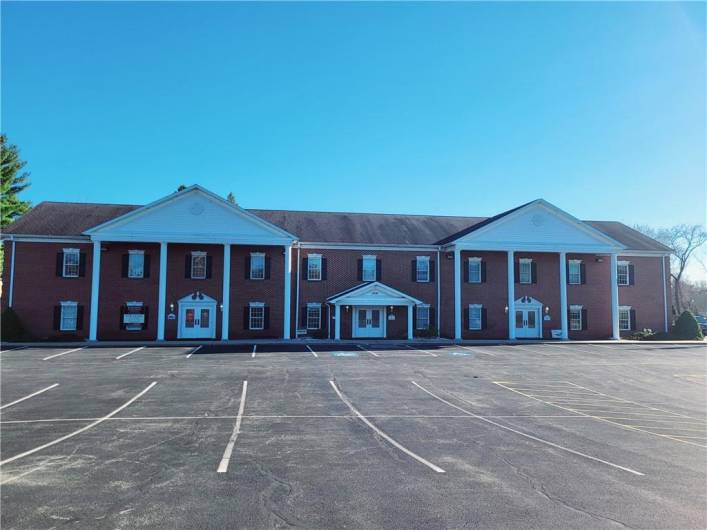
(71, 263)
(422, 269)
(314, 267)
(136, 264)
(622, 272)
(525, 273)
(257, 266)
(574, 275)
(198, 265)
(474, 270)
(368, 273)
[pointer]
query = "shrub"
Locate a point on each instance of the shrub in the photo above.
(11, 328)
(686, 328)
(428, 333)
(661, 335)
(646, 334)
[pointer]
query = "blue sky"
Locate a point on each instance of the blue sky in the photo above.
(457, 108)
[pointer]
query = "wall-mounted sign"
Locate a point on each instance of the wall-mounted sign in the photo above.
(547, 317)
(391, 317)
(171, 316)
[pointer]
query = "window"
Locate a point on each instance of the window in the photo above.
(624, 318)
(69, 316)
(474, 270)
(314, 267)
(136, 264)
(368, 273)
(134, 316)
(423, 269)
(71, 263)
(198, 265)
(576, 318)
(256, 316)
(622, 272)
(314, 316)
(257, 267)
(422, 317)
(475, 316)
(525, 274)
(575, 271)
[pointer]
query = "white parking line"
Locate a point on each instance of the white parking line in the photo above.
(13, 349)
(368, 351)
(477, 350)
(62, 353)
(31, 395)
(82, 429)
(255, 347)
(557, 446)
(382, 434)
(423, 351)
(131, 351)
(311, 350)
(223, 466)
(193, 351)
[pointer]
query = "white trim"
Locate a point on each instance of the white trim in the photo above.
(357, 296)
(315, 257)
(287, 294)
(417, 314)
(480, 307)
(439, 294)
(419, 259)
(136, 253)
(628, 309)
(564, 325)
(457, 294)
(67, 251)
(30, 238)
(162, 292)
(297, 281)
(226, 294)
(313, 305)
(579, 308)
(73, 304)
(256, 255)
(615, 331)
(525, 261)
(571, 262)
(11, 287)
(468, 265)
(369, 258)
(95, 290)
(198, 254)
(510, 273)
(369, 247)
(251, 306)
(627, 264)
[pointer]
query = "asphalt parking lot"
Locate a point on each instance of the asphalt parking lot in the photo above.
(355, 436)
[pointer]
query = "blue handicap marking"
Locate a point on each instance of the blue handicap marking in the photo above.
(459, 353)
(344, 354)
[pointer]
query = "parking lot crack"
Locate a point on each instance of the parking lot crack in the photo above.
(277, 493)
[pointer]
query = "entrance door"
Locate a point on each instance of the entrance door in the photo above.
(197, 321)
(528, 324)
(368, 322)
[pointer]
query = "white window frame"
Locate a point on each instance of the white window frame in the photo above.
(369, 259)
(473, 319)
(574, 322)
(133, 254)
(625, 266)
(574, 272)
(528, 273)
(419, 316)
(311, 307)
(425, 277)
(260, 256)
(136, 327)
(314, 267)
(62, 317)
(254, 317)
(65, 264)
(197, 254)
(474, 273)
(627, 310)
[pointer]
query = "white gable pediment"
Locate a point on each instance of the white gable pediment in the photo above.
(191, 215)
(539, 226)
(374, 293)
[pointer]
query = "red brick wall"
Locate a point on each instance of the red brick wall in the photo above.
(116, 291)
(447, 295)
(492, 294)
(645, 296)
(37, 288)
(594, 296)
(547, 288)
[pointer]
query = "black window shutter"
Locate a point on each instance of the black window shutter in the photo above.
(145, 311)
(432, 271)
(246, 317)
(247, 267)
(187, 266)
(146, 266)
(433, 321)
(79, 317)
(60, 264)
(57, 317)
(305, 265)
(266, 320)
(633, 319)
(533, 272)
(414, 317)
(324, 269)
(379, 270)
(584, 319)
(122, 312)
(124, 265)
(582, 273)
(360, 270)
(567, 271)
(516, 272)
(267, 267)
(465, 266)
(208, 266)
(466, 324)
(631, 274)
(413, 270)
(82, 264)
(303, 317)
(483, 318)
(483, 271)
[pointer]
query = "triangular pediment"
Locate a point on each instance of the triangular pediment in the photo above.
(373, 293)
(538, 226)
(191, 215)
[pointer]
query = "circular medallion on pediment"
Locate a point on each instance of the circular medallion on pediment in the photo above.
(196, 208)
(537, 220)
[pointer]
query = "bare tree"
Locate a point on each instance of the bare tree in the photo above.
(684, 240)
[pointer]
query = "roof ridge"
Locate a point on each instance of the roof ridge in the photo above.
(91, 203)
(367, 213)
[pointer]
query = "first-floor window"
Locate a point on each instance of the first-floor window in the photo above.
(257, 266)
(71, 263)
(134, 316)
(475, 317)
(624, 318)
(136, 264)
(423, 269)
(198, 265)
(256, 316)
(368, 273)
(422, 317)
(314, 316)
(576, 318)
(69, 316)
(526, 271)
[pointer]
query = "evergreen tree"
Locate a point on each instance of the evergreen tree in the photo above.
(13, 181)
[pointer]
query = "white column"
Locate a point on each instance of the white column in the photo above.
(563, 295)
(615, 333)
(409, 322)
(511, 297)
(11, 288)
(337, 322)
(161, 297)
(288, 278)
(226, 296)
(457, 295)
(95, 287)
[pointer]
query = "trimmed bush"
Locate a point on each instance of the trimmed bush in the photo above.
(686, 328)
(11, 328)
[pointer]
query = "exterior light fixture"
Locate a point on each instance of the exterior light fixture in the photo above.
(171, 308)
(505, 309)
(547, 310)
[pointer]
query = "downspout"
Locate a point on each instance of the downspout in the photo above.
(328, 320)
(439, 299)
(297, 293)
(665, 292)
(11, 287)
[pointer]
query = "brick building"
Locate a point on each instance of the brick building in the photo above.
(193, 266)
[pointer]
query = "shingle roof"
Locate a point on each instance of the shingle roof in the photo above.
(69, 219)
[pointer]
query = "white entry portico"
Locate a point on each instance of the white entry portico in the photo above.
(368, 302)
(197, 317)
(527, 318)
